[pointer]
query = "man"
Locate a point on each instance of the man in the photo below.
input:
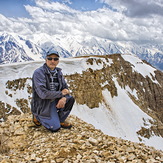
(51, 102)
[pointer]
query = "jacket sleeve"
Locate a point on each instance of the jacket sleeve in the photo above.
(39, 83)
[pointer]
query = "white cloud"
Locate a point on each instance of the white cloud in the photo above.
(56, 18)
(53, 6)
(67, 1)
(137, 8)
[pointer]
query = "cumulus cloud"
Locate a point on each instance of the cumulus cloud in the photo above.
(137, 8)
(122, 24)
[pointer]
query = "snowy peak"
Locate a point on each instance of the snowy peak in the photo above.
(14, 48)
(49, 42)
(80, 46)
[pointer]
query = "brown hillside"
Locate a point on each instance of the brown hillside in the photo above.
(22, 142)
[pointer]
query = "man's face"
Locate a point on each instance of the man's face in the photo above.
(51, 61)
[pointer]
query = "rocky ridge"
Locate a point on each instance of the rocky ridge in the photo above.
(93, 82)
(21, 141)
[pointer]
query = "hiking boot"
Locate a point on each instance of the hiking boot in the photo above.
(35, 121)
(66, 125)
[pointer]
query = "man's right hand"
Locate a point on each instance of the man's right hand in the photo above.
(65, 91)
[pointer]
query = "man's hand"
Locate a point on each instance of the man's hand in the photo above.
(65, 91)
(61, 103)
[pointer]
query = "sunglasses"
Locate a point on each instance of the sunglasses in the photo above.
(50, 59)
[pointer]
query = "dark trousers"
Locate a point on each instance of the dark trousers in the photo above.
(57, 115)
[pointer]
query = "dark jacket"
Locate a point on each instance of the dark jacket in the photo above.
(42, 95)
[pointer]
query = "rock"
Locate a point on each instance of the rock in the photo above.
(60, 159)
(38, 159)
(5, 161)
(93, 141)
(19, 131)
(131, 157)
(106, 154)
(33, 157)
(151, 161)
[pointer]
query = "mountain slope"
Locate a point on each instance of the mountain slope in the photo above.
(119, 94)
(21, 141)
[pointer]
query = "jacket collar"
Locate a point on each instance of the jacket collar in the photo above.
(46, 69)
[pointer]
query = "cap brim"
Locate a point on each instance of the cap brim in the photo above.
(52, 54)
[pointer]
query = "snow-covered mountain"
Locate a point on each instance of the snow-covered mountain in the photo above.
(80, 46)
(118, 94)
(14, 48)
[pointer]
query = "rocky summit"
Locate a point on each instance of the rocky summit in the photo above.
(22, 142)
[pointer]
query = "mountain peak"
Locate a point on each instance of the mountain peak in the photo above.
(14, 48)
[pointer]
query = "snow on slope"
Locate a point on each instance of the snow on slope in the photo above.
(140, 67)
(15, 71)
(73, 65)
(34, 54)
(118, 117)
(123, 118)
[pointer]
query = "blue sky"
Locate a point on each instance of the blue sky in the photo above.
(139, 21)
(15, 8)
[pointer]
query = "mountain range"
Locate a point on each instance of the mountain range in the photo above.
(15, 48)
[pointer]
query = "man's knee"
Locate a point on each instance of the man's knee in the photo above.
(53, 127)
(54, 130)
(71, 100)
